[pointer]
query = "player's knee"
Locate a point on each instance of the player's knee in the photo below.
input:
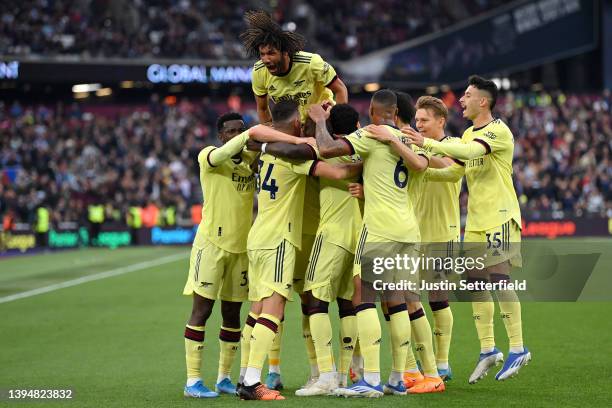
(230, 312)
(201, 310)
(345, 308)
(317, 306)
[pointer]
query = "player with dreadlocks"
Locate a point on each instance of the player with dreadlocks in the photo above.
(285, 72)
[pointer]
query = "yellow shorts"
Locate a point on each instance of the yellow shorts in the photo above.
(271, 270)
(496, 245)
(375, 260)
(438, 259)
(217, 274)
(329, 274)
(301, 262)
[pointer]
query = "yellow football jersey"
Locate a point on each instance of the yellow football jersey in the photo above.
(436, 205)
(340, 212)
(305, 82)
(388, 211)
(280, 203)
(228, 191)
(492, 200)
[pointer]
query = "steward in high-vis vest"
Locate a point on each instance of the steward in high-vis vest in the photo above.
(41, 226)
(95, 216)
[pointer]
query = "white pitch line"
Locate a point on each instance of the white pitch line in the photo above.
(94, 277)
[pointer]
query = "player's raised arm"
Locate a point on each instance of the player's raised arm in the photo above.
(414, 161)
(328, 146)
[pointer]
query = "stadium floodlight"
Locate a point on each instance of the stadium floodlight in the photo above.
(127, 84)
(104, 92)
(86, 87)
(372, 87)
(81, 95)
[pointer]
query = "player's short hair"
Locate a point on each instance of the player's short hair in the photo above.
(405, 107)
(385, 97)
(487, 85)
(343, 119)
(226, 118)
(263, 30)
(284, 110)
(433, 104)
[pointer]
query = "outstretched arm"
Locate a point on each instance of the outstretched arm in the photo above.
(266, 134)
(284, 150)
(451, 173)
(231, 148)
(461, 151)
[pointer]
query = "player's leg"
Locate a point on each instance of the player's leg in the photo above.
(245, 338)
(273, 380)
(234, 291)
(205, 269)
(229, 339)
(274, 273)
(412, 373)
(310, 243)
(348, 338)
(442, 330)
(396, 315)
(423, 344)
(509, 303)
(483, 308)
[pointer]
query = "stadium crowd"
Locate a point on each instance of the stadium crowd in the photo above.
(210, 28)
(66, 158)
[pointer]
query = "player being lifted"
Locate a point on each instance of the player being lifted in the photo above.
(273, 242)
(218, 264)
(493, 219)
(285, 72)
(437, 211)
(389, 223)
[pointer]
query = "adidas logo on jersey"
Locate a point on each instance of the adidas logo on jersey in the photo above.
(298, 82)
(272, 88)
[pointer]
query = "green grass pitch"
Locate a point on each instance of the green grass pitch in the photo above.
(118, 341)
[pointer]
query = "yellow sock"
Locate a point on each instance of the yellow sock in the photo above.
(275, 351)
(411, 364)
(443, 329)
(483, 309)
(368, 326)
(245, 341)
(194, 344)
(510, 311)
(320, 327)
(310, 348)
(261, 339)
(348, 342)
(399, 330)
(424, 343)
(229, 339)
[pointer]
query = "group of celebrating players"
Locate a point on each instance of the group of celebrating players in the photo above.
(330, 195)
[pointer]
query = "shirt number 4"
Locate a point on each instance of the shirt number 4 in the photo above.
(269, 184)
